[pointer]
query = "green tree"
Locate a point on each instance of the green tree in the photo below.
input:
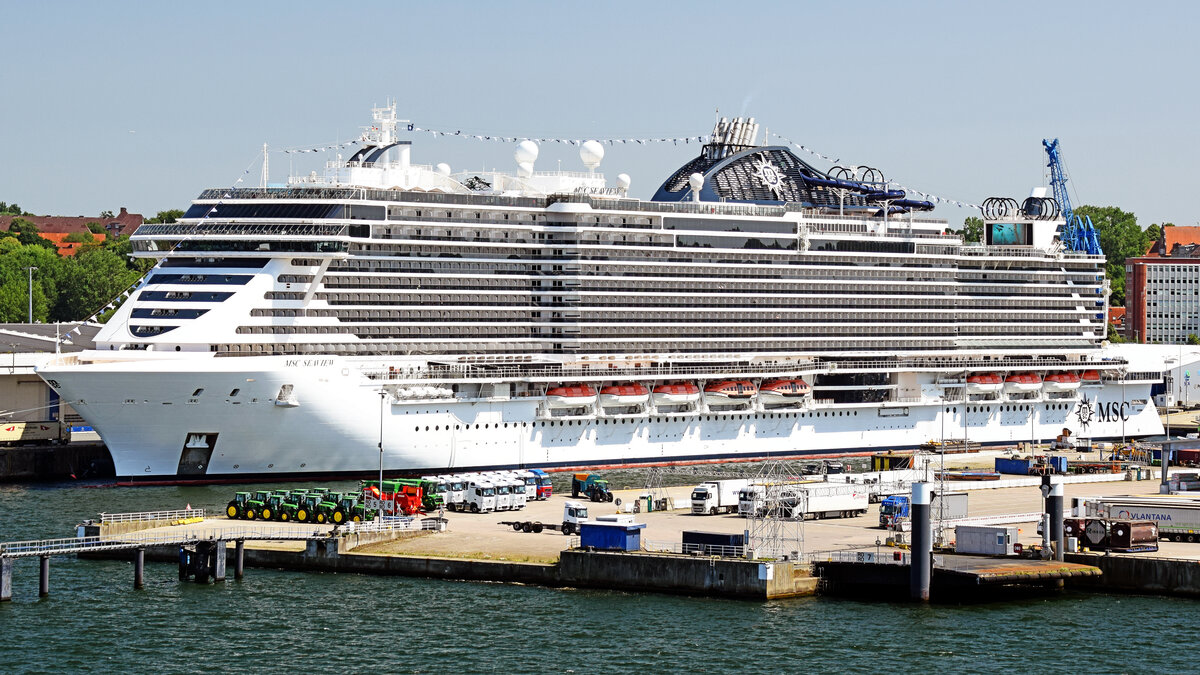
(1120, 238)
(15, 259)
(121, 246)
(11, 210)
(972, 229)
(79, 237)
(93, 278)
(166, 216)
(95, 228)
(28, 234)
(1193, 339)
(107, 214)
(1114, 335)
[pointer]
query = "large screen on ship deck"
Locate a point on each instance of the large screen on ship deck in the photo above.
(1009, 234)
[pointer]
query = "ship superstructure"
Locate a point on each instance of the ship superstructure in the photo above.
(755, 306)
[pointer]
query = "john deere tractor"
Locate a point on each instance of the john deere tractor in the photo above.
(272, 509)
(306, 510)
(345, 509)
(237, 506)
(254, 505)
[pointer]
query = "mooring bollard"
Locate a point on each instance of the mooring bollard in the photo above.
(139, 568)
(44, 576)
(1054, 506)
(239, 560)
(921, 552)
(6, 567)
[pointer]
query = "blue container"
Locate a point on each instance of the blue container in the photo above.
(1019, 467)
(1059, 464)
(611, 536)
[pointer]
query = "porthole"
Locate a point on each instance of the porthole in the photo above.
(426, 428)
(416, 428)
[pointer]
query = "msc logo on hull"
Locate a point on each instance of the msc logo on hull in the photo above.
(1091, 410)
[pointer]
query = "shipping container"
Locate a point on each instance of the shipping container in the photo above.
(985, 540)
(611, 536)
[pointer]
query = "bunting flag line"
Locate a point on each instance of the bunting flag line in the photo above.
(676, 140)
(925, 195)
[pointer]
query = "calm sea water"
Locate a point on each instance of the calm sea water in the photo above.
(277, 621)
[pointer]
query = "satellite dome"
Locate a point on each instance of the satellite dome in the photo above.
(527, 152)
(590, 153)
(696, 182)
(524, 169)
(443, 169)
(623, 181)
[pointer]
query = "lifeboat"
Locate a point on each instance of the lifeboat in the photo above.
(1057, 383)
(621, 395)
(783, 391)
(1091, 378)
(680, 393)
(570, 396)
(1022, 383)
(725, 392)
(984, 383)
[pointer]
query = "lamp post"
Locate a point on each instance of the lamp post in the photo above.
(382, 399)
(30, 270)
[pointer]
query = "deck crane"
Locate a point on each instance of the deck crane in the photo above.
(1078, 234)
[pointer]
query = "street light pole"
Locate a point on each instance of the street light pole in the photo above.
(30, 270)
(382, 399)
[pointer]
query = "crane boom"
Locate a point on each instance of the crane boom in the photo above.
(1078, 234)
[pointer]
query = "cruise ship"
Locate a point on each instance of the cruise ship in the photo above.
(389, 313)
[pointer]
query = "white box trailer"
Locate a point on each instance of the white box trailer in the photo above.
(828, 501)
(1178, 518)
(719, 496)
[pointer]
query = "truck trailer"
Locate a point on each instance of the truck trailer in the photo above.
(1178, 518)
(718, 496)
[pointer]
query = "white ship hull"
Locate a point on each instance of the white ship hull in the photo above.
(146, 414)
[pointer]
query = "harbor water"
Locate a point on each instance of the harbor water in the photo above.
(275, 621)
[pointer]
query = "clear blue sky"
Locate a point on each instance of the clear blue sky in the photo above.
(112, 104)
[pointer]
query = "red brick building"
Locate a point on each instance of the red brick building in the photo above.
(123, 223)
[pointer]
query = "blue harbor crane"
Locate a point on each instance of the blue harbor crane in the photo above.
(1078, 233)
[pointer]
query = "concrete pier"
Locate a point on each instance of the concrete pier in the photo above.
(44, 576)
(218, 561)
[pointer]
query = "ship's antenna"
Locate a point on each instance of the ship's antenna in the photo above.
(266, 166)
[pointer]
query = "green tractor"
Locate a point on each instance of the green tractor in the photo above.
(272, 509)
(254, 505)
(237, 506)
(291, 504)
(325, 507)
(306, 509)
(346, 509)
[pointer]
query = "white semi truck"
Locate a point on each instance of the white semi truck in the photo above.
(719, 496)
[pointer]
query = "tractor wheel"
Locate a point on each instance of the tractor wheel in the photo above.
(250, 514)
(321, 518)
(283, 516)
(608, 496)
(231, 511)
(357, 518)
(266, 514)
(339, 517)
(516, 527)
(302, 515)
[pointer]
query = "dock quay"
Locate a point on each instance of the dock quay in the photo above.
(837, 552)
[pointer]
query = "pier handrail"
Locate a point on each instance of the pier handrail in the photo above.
(68, 545)
(703, 549)
(144, 516)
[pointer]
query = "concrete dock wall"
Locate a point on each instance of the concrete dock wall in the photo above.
(659, 573)
(54, 462)
(1159, 576)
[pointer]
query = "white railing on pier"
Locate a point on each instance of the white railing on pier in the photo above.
(68, 545)
(689, 549)
(394, 524)
(148, 516)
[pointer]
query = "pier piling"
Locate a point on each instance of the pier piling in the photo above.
(1054, 507)
(920, 570)
(239, 560)
(139, 568)
(6, 567)
(218, 567)
(44, 576)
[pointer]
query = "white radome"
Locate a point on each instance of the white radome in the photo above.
(591, 153)
(443, 168)
(526, 152)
